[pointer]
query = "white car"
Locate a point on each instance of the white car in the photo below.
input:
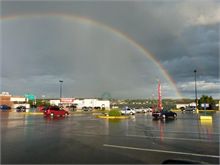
(140, 110)
(127, 111)
(149, 109)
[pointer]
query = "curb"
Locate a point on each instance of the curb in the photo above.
(113, 117)
(31, 113)
(176, 110)
(205, 117)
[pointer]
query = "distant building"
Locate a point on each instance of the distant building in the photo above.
(54, 102)
(184, 105)
(12, 101)
(5, 99)
(18, 99)
(94, 103)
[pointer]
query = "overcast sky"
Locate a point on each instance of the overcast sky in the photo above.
(102, 48)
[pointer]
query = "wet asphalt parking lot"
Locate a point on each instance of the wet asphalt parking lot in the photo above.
(81, 138)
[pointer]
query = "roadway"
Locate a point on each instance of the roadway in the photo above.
(84, 139)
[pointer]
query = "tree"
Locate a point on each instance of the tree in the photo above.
(208, 100)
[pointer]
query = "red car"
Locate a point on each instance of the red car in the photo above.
(41, 108)
(55, 111)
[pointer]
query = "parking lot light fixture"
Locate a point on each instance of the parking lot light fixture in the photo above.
(61, 86)
(196, 100)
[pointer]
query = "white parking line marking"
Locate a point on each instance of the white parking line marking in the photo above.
(171, 138)
(188, 132)
(161, 151)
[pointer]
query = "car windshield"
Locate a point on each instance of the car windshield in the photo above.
(122, 81)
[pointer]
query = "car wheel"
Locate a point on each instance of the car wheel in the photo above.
(175, 115)
(66, 114)
(164, 116)
(52, 115)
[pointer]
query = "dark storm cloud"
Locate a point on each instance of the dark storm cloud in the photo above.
(200, 50)
(182, 35)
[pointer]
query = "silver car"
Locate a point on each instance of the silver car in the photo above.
(127, 111)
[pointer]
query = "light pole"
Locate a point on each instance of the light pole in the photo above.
(195, 90)
(61, 85)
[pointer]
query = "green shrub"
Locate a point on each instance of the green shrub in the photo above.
(114, 112)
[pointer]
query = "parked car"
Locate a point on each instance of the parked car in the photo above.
(4, 107)
(168, 114)
(164, 114)
(149, 109)
(140, 110)
(21, 108)
(156, 114)
(87, 108)
(127, 111)
(55, 111)
(190, 108)
(97, 107)
(72, 107)
(182, 108)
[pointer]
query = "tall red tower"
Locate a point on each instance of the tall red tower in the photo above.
(159, 104)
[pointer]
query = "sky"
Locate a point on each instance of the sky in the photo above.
(117, 49)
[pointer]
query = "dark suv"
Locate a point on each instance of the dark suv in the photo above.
(164, 114)
(168, 114)
(21, 108)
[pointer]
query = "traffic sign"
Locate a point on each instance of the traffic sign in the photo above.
(30, 96)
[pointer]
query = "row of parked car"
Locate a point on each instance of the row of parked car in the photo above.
(52, 111)
(132, 111)
(55, 111)
(156, 114)
(18, 109)
(59, 111)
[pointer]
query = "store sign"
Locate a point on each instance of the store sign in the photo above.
(67, 100)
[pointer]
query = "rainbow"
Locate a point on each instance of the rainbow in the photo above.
(116, 32)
